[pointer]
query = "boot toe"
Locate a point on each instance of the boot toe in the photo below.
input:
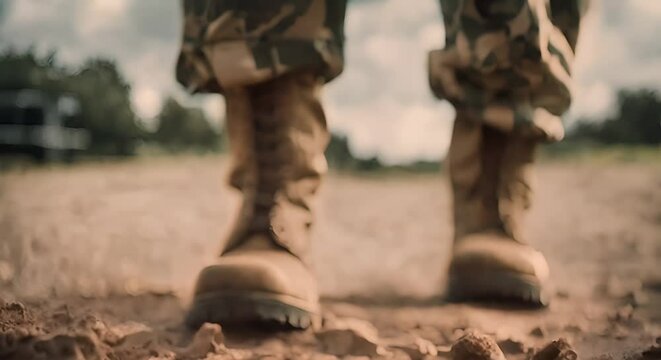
(255, 286)
(243, 273)
(491, 268)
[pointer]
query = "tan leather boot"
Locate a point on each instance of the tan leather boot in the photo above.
(277, 134)
(490, 173)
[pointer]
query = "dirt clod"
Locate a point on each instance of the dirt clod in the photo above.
(654, 351)
(344, 337)
(209, 339)
(118, 333)
(13, 315)
(476, 346)
(512, 346)
(557, 350)
(60, 346)
(416, 348)
(538, 332)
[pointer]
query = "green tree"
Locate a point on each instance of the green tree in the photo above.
(102, 91)
(637, 121)
(182, 128)
(106, 107)
(338, 153)
(21, 70)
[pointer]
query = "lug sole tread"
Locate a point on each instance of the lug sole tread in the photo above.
(249, 309)
(501, 287)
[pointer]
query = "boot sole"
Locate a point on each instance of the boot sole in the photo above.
(504, 287)
(264, 310)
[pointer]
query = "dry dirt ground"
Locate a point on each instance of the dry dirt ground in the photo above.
(98, 260)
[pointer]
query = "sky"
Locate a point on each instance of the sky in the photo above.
(381, 102)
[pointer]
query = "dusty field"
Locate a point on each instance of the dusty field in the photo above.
(104, 255)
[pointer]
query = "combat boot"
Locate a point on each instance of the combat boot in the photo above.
(278, 135)
(490, 171)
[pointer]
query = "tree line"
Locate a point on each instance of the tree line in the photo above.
(637, 121)
(106, 112)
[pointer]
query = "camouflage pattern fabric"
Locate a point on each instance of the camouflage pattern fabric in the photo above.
(229, 43)
(509, 62)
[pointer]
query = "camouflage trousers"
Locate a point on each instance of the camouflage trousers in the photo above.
(507, 62)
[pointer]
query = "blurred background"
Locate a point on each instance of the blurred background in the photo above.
(112, 191)
(104, 70)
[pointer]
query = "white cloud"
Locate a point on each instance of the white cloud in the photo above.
(394, 131)
(593, 100)
(609, 57)
(33, 11)
(214, 107)
(98, 15)
(146, 100)
(382, 102)
(652, 8)
(431, 35)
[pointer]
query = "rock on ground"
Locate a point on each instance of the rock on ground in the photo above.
(476, 346)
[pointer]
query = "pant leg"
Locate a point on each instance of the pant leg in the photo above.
(509, 62)
(230, 43)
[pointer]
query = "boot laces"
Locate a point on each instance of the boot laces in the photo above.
(268, 144)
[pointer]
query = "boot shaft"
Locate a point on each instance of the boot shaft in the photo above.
(278, 135)
(491, 176)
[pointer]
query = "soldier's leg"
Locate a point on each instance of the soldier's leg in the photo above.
(269, 59)
(506, 68)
